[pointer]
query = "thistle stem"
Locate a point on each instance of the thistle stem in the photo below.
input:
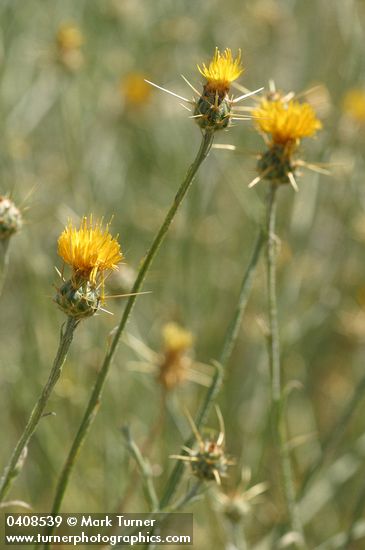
(228, 345)
(4, 262)
(91, 409)
(238, 536)
(245, 289)
(177, 506)
(275, 368)
(14, 466)
(144, 469)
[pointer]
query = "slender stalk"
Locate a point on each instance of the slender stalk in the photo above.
(156, 429)
(245, 289)
(185, 499)
(176, 507)
(4, 262)
(228, 345)
(274, 358)
(94, 400)
(144, 468)
(14, 465)
(274, 343)
(238, 536)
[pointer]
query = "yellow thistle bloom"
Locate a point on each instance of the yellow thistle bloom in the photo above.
(176, 338)
(354, 104)
(286, 122)
(89, 250)
(135, 90)
(69, 37)
(283, 121)
(221, 71)
(173, 367)
(69, 40)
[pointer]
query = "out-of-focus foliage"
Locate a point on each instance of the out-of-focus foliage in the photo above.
(83, 133)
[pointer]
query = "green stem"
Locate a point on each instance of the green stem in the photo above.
(228, 345)
(177, 506)
(91, 409)
(274, 342)
(185, 499)
(275, 368)
(4, 262)
(246, 285)
(15, 462)
(144, 468)
(238, 536)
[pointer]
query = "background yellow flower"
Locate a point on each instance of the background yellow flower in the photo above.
(286, 122)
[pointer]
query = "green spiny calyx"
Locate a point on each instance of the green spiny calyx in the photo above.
(78, 299)
(275, 164)
(212, 111)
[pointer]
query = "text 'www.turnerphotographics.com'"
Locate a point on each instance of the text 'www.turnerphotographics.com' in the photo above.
(94, 529)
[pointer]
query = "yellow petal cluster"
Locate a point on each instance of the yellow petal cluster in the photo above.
(175, 362)
(354, 104)
(286, 122)
(176, 338)
(134, 89)
(222, 70)
(89, 250)
(69, 37)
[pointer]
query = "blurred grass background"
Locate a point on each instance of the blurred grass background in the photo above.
(83, 134)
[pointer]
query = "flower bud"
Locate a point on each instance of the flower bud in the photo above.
(275, 164)
(10, 218)
(212, 111)
(78, 300)
(209, 462)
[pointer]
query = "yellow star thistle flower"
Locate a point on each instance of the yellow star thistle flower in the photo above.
(221, 71)
(213, 110)
(134, 90)
(69, 37)
(69, 40)
(89, 250)
(286, 123)
(354, 104)
(283, 121)
(173, 368)
(176, 338)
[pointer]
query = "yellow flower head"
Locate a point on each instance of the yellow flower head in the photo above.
(286, 122)
(89, 250)
(176, 339)
(69, 37)
(135, 90)
(174, 363)
(221, 71)
(354, 104)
